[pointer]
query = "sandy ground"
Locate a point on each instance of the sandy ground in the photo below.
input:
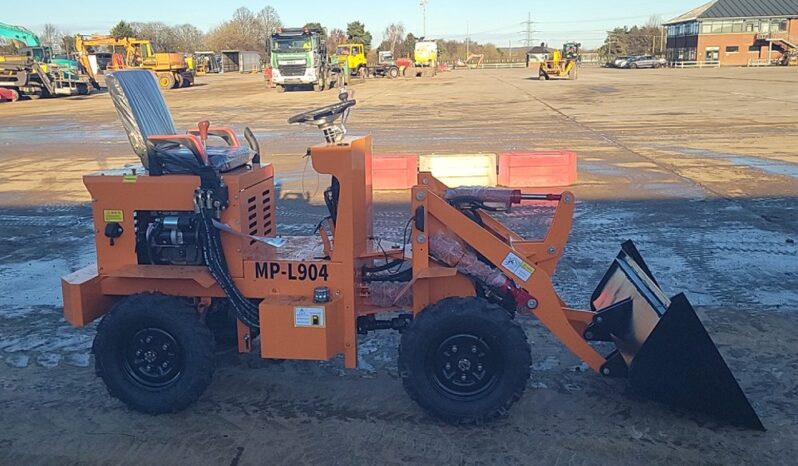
(697, 166)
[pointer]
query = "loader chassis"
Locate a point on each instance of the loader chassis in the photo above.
(462, 356)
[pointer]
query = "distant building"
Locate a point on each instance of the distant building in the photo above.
(734, 32)
(538, 53)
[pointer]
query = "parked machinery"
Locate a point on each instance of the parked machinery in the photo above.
(170, 68)
(191, 236)
(207, 62)
(563, 64)
(299, 58)
(33, 71)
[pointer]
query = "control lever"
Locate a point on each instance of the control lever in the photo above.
(203, 130)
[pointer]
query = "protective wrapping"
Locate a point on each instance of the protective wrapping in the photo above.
(143, 111)
(383, 294)
(481, 193)
(141, 107)
(455, 254)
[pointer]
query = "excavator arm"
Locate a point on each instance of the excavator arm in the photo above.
(20, 36)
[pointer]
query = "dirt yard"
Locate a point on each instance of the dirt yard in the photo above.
(698, 167)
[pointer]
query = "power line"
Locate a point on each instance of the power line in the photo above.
(528, 23)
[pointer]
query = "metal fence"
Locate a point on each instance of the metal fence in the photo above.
(694, 64)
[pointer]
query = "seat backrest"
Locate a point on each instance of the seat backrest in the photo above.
(141, 107)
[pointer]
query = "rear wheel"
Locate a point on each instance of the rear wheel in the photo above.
(153, 353)
(166, 80)
(464, 360)
(633, 66)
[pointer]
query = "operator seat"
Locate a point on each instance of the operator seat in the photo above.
(154, 137)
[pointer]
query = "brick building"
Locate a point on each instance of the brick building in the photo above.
(735, 32)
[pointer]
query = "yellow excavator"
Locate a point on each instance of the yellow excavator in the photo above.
(171, 69)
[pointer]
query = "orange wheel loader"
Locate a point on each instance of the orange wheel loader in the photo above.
(188, 255)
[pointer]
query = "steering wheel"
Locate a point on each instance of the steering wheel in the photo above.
(322, 115)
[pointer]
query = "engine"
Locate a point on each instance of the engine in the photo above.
(168, 238)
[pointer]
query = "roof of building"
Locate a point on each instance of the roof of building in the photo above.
(539, 49)
(740, 9)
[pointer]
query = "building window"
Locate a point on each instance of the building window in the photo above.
(752, 26)
(783, 25)
(737, 26)
(732, 49)
(717, 27)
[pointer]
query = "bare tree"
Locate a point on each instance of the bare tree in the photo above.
(51, 36)
(187, 38)
(654, 21)
(269, 21)
(394, 36)
(335, 38)
(163, 37)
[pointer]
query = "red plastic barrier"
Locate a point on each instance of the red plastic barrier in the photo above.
(542, 169)
(394, 171)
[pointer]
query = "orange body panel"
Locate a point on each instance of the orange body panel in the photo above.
(284, 336)
(285, 278)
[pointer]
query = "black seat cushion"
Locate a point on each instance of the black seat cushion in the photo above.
(176, 159)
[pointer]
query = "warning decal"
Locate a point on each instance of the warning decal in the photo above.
(113, 216)
(308, 317)
(518, 267)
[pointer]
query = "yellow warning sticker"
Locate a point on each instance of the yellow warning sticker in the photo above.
(129, 178)
(113, 216)
(518, 267)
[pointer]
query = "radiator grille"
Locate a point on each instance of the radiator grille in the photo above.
(292, 70)
(258, 219)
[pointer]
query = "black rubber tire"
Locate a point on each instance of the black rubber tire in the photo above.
(176, 317)
(280, 89)
(393, 73)
(454, 317)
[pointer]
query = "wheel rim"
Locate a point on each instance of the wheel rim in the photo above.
(464, 366)
(153, 358)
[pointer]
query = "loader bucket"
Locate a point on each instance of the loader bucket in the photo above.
(662, 346)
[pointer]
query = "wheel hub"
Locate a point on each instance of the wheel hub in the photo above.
(153, 358)
(464, 366)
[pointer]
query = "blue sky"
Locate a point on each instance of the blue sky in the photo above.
(497, 21)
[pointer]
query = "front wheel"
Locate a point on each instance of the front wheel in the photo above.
(464, 360)
(166, 80)
(153, 353)
(393, 73)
